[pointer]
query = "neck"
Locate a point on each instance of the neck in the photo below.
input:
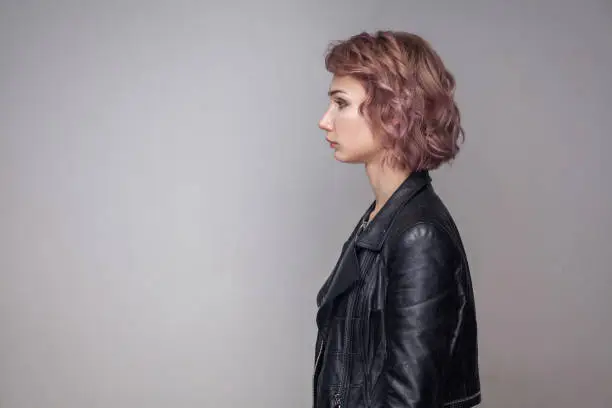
(384, 181)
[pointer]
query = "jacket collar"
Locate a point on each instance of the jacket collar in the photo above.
(373, 236)
(348, 270)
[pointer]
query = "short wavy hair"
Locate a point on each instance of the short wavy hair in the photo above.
(409, 96)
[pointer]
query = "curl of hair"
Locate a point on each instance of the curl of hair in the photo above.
(409, 96)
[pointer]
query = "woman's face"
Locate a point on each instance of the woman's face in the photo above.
(347, 131)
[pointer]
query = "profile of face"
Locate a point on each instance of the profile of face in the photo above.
(347, 130)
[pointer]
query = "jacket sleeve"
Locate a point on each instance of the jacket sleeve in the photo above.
(422, 314)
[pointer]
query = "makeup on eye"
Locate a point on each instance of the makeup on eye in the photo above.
(335, 95)
(341, 102)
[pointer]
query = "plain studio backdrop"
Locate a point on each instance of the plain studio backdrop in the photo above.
(169, 208)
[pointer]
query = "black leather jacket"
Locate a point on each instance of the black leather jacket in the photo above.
(396, 318)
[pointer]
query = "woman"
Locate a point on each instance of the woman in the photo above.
(396, 317)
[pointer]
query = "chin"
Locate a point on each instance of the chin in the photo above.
(344, 158)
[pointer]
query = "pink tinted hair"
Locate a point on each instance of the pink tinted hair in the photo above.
(409, 96)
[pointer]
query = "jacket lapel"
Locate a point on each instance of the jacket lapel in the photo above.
(347, 270)
(345, 274)
(374, 235)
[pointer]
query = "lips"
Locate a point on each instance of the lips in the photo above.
(331, 143)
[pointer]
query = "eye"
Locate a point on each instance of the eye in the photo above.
(341, 103)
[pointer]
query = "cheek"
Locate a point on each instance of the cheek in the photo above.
(359, 132)
(348, 127)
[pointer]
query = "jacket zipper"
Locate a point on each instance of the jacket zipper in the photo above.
(314, 375)
(367, 263)
(341, 394)
(337, 403)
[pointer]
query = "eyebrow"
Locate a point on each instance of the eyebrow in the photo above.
(335, 91)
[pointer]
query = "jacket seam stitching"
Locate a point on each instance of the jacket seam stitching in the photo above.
(476, 394)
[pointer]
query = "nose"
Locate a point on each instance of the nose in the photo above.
(326, 122)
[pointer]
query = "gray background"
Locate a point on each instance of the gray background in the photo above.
(169, 207)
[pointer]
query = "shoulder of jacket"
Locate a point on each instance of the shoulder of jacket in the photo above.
(417, 230)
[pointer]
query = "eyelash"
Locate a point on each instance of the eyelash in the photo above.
(341, 103)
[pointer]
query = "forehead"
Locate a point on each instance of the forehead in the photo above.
(348, 85)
